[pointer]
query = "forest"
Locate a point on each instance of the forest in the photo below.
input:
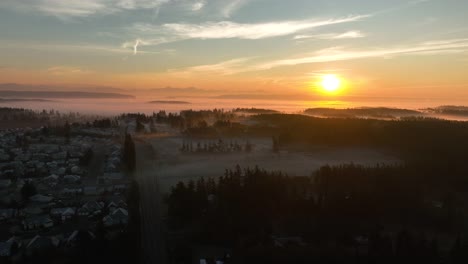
(380, 214)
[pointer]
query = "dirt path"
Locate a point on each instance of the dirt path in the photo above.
(152, 234)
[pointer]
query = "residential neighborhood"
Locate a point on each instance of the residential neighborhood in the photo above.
(55, 186)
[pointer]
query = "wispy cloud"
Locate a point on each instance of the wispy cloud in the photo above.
(70, 9)
(65, 9)
(79, 47)
(227, 29)
(198, 6)
(66, 70)
(135, 47)
(225, 68)
(346, 35)
(233, 6)
(340, 54)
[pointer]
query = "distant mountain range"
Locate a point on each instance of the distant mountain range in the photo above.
(168, 102)
(14, 100)
(54, 88)
(182, 91)
(63, 94)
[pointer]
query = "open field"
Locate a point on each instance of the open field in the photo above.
(174, 166)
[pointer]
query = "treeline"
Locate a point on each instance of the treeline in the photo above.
(51, 117)
(216, 147)
(381, 214)
(255, 111)
(183, 119)
(203, 123)
(449, 110)
(373, 112)
(441, 143)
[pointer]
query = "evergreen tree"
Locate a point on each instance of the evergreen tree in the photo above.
(129, 153)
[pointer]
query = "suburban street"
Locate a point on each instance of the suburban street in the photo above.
(152, 235)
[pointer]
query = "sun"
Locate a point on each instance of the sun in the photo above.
(330, 83)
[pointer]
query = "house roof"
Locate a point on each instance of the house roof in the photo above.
(39, 242)
(40, 198)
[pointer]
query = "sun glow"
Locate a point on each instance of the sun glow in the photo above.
(330, 83)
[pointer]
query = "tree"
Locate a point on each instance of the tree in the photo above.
(275, 144)
(66, 132)
(129, 154)
(139, 127)
(28, 190)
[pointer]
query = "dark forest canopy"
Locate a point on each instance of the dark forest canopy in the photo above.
(255, 111)
(449, 110)
(410, 134)
(372, 112)
(383, 210)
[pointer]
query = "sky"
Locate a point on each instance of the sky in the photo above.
(379, 48)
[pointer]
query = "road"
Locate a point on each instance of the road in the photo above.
(152, 230)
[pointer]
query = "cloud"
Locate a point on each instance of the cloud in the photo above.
(135, 47)
(66, 70)
(229, 29)
(81, 47)
(66, 9)
(346, 35)
(198, 6)
(233, 6)
(228, 67)
(69, 9)
(339, 54)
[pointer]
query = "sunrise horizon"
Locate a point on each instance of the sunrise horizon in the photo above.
(233, 131)
(239, 47)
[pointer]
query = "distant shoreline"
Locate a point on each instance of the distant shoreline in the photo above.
(65, 95)
(13, 100)
(168, 102)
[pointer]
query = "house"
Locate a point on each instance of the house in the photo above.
(117, 217)
(61, 170)
(38, 198)
(90, 190)
(284, 241)
(73, 238)
(71, 191)
(5, 183)
(64, 213)
(105, 189)
(4, 156)
(36, 222)
(32, 210)
(113, 176)
(51, 179)
(6, 214)
(120, 188)
(38, 243)
(60, 155)
(71, 178)
(91, 207)
(5, 249)
(112, 206)
(75, 170)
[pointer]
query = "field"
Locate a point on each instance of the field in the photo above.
(173, 166)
